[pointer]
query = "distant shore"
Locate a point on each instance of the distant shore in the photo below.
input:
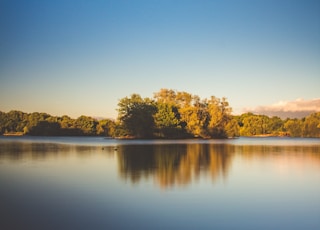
(19, 134)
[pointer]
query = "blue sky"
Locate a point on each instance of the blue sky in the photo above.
(81, 57)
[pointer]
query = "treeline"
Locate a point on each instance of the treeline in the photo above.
(169, 114)
(252, 125)
(43, 124)
(174, 114)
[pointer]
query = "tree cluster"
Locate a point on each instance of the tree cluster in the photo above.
(174, 114)
(43, 124)
(252, 125)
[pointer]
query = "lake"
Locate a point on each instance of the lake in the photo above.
(98, 183)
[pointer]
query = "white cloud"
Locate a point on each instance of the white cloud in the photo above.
(294, 109)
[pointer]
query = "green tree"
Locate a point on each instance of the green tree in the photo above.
(106, 127)
(311, 125)
(86, 124)
(3, 121)
(293, 127)
(66, 122)
(167, 121)
(276, 125)
(136, 116)
(252, 124)
(14, 121)
(34, 118)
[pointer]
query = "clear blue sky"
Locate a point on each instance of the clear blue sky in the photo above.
(80, 57)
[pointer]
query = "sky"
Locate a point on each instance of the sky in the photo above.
(80, 57)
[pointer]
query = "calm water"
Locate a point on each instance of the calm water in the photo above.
(97, 183)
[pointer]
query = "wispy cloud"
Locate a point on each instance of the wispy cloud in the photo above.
(293, 109)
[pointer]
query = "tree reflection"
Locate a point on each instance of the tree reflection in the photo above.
(182, 164)
(36, 151)
(174, 164)
(263, 151)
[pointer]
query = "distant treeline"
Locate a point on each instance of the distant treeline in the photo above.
(43, 124)
(169, 114)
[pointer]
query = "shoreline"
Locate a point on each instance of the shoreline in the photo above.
(17, 134)
(20, 134)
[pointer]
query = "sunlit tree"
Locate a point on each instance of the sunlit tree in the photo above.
(311, 125)
(86, 124)
(293, 127)
(219, 112)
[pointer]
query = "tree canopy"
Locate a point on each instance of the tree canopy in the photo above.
(42, 124)
(174, 114)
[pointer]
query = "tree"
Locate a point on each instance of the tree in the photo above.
(66, 122)
(3, 121)
(276, 125)
(14, 121)
(311, 125)
(195, 119)
(167, 96)
(106, 127)
(200, 118)
(86, 124)
(252, 124)
(293, 127)
(219, 112)
(167, 120)
(136, 116)
(45, 128)
(232, 128)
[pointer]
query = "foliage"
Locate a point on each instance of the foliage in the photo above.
(167, 120)
(136, 116)
(294, 127)
(170, 114)
(87, 125)
(174, 114)
(251, 124)
(43, 124)
(311, 125)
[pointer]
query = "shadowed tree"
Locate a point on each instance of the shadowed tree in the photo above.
(45, 128)
(136, 116)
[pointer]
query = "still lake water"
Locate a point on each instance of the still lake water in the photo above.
(97, 183)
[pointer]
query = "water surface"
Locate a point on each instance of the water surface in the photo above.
(98, 183)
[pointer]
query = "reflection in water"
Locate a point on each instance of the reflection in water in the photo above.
(174, 164)
(72, 186)
(37, 151)
(264, 151)
(169, 164)
(182, 164)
